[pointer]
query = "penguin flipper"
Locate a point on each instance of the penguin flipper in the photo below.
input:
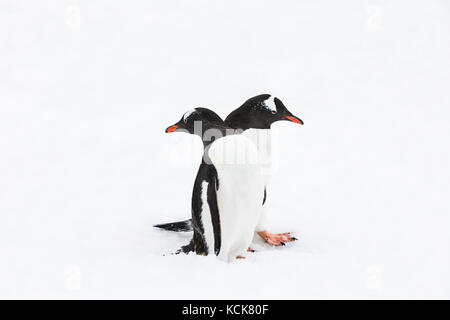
(179, 226)
(214, 209)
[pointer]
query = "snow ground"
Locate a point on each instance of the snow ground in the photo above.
(88, 87)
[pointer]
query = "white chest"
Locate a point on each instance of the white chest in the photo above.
(262, 138)
(240, 194)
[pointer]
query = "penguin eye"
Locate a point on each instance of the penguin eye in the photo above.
(273, 111)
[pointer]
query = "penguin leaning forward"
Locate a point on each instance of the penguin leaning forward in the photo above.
(228, 190)
(254, 118)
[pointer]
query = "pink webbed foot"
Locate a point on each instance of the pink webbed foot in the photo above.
(276, 239)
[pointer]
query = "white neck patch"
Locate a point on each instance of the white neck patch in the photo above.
(188, 113)
(269, 103)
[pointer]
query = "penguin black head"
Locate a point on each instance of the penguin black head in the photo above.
(259, 113)
(197, 121)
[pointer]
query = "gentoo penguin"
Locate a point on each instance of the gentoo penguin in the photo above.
(255, 118)
(228, 190)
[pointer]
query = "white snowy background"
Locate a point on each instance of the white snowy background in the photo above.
(88, 87)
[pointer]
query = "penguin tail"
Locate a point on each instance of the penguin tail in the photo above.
(180, 226)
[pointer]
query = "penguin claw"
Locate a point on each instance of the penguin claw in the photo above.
(276, 239)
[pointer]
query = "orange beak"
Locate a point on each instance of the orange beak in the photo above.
(294, 119)
(171, 129)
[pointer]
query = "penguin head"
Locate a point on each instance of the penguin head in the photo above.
(197, 121)
(260, 112)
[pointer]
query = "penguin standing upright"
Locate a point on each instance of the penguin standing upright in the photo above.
(254, 118)
(228, 190)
